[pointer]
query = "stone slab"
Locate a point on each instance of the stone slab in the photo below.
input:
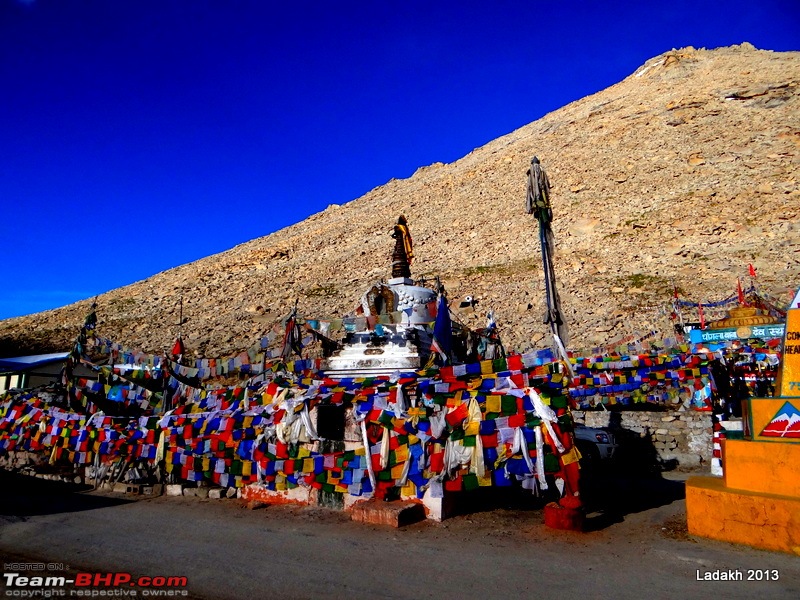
(298, 495)
(174, 489)
(395, 514)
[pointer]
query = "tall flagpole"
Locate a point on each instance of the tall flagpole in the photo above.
(537, 203)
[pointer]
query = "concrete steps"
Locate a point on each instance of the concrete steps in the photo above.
(395, 514)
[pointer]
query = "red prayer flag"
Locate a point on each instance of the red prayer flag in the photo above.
(457, 415)
(453, 485)
(178, 349)
(437, 462)
(752, 271)
(489, 441)
(515, 362)
(516, 420)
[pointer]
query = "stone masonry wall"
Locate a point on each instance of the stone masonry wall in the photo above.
(685, 437)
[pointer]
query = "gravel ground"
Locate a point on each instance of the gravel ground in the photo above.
(637, 544)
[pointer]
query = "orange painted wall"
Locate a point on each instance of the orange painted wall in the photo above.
(760, 520)
(763, 467)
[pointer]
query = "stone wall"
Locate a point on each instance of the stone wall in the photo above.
(17, 461)
(682, 437)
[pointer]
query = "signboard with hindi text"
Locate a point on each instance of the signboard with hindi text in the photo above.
(745, 332)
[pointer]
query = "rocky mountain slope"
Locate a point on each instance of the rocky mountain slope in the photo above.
(682, 174)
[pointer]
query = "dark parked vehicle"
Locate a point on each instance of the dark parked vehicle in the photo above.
(595, 444)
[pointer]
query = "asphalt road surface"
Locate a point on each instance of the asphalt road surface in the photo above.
(637, 547)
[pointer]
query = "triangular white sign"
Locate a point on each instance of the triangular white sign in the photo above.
(796, 302)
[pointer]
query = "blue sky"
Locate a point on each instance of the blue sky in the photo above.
(136, 136)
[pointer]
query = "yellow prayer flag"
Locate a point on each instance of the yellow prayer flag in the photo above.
(572, 456)
(401, 453)
(472, 428)
(454, 400)
(474, 384)
(493, 404)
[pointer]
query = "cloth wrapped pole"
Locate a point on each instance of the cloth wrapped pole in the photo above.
(521, 446)
(306, 418)
(563, 351)
(385, 443)
(477, 465)
(537, 203)
(455, 455)
(548, 417)
(540, 458)
(400, 405)
(365, 439)
(404, 477)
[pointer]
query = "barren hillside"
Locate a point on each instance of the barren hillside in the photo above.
(683, 173)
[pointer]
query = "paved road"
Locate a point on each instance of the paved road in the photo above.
(226, 551)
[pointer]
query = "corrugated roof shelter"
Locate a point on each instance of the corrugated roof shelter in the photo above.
(30, 371)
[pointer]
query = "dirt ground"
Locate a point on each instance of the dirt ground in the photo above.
(636, 544)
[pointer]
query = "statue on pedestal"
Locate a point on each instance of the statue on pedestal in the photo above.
(403, 254)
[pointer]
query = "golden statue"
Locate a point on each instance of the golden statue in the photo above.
(403, 254)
